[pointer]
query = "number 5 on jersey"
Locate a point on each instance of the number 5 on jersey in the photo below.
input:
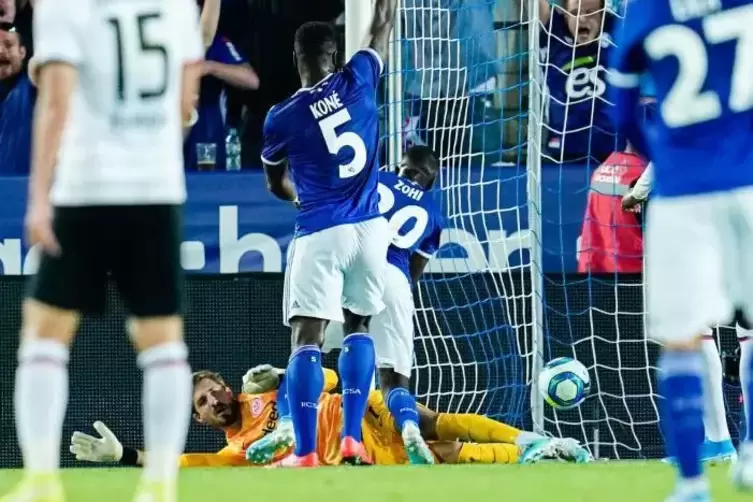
(336, 142)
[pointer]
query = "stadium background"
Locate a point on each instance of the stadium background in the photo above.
(233, 320)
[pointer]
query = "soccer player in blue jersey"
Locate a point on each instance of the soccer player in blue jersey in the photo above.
(700, 225)
(416, 225)
(321, 152)
(575, 43)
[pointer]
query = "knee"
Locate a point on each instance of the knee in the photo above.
(47, 322)
(150, 332)
(307, 331)
(353, 323)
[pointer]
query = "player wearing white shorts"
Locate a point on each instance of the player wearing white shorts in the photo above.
(415, 229)
(717, 445)
(700, 224)
(116, 82)
(326, 136)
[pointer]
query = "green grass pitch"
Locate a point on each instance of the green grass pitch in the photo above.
(548, 482)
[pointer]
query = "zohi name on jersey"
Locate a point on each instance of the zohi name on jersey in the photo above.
(328, 134)
(415, 219)
(122, 143)
(699, 54)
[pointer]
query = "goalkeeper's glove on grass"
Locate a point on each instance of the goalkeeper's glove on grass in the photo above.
(105, 448)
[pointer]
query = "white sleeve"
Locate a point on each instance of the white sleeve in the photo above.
(642, 187)
(193, 45)
(57, 31)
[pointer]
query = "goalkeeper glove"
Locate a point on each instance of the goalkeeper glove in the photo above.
(261, 378)
(105, 448)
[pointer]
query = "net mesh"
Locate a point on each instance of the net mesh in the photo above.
(460, 81)
(456, 81)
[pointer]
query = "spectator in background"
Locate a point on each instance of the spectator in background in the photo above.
(17, 95)
(23, 21)
(450, 63)
(574, 43)
(612, 239)
(264, 31)
(223, 66)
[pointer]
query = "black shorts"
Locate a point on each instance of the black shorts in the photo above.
(137, 246)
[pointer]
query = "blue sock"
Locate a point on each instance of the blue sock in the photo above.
(402, 405)
(305, 382)
(283, 408)
(682, 409)
(356, 367)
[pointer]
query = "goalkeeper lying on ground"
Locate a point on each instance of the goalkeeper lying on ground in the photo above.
(258, 430)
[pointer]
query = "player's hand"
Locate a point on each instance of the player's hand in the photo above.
(631, 204)
(39, 227)
(88, 448)
(262, 378)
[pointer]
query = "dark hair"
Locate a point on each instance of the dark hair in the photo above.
(315, 40)
(423, 155)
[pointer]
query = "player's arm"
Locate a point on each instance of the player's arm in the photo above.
(627, 64)
(640, 191)
(545, 11)
(378, 37)
(241, 76)
(426, 250)
(210, 19)
(275, 162)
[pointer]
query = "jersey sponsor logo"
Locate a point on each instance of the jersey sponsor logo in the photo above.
(256, 407)
(585, 82)
(271, 423)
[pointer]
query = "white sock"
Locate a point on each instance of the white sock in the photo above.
(166, 408)
(746, 355)
(40, 401)
(714, 412)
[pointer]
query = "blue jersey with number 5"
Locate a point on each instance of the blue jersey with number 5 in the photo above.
(699, 55)
(414, 217)
(329, 135)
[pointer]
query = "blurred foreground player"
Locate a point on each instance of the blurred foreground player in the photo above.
(416, 226)
(260, 411)
(114, 79)
(700, 226)
(327, 135)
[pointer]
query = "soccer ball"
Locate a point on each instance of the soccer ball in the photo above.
(564, 383)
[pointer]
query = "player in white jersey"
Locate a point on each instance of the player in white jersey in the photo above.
(116, 79)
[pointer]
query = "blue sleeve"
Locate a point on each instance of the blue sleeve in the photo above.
(627, 68)
(273, 147)
(222, 50)
(430, 244)
(366, 65)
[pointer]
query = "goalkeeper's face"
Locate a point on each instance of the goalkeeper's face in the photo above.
(214, 404)
(585, 19)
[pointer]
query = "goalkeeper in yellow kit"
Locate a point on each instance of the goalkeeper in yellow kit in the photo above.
(258, 431)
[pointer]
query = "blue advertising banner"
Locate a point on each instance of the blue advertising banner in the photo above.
(234, 225)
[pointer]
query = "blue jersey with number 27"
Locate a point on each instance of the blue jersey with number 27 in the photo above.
(328, 133)
(414, 217)
(699, 55)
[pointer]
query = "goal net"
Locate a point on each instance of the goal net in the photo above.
(469, 78)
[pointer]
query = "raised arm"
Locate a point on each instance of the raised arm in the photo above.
(209, 20)
(378, 36)
(545, 11)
